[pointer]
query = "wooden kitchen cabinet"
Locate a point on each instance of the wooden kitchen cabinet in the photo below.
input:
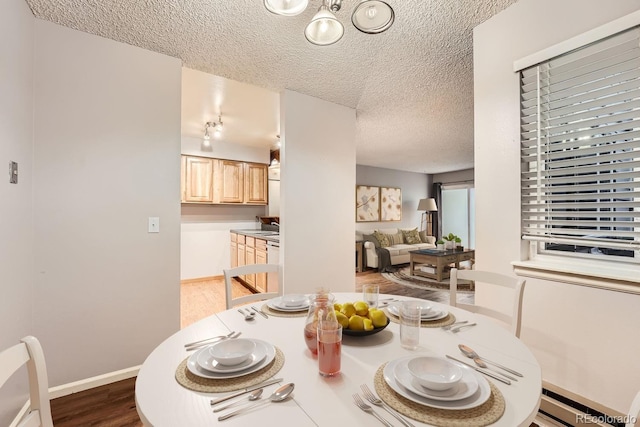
(197, 185)
(218, 181)
(256, 183)
(234, 250)
(261, 258)
(250, 258)
(229, 177)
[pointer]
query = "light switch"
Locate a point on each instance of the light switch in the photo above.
(154, 224)
(13, 173)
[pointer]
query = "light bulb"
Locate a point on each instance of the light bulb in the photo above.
(371, 12)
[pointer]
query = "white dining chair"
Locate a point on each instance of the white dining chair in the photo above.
(517, 285)
(29, 352)
(244, 270)
(634, 412)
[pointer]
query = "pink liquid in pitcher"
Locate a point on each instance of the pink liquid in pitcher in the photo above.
(311, 337)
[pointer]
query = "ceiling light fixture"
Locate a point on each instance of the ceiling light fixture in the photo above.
(372, 16)
(369, 17)
(324, 29)
(286, 7)
(217, 129)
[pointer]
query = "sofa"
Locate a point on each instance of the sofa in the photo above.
(397, 241)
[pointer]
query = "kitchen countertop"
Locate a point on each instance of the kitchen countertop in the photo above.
(271, 236)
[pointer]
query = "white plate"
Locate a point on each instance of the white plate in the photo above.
(465, 388)
(194, 368)
(432, 315)
(206, 361)
(277, 304)
(476, 399)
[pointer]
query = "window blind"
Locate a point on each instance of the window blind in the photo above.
(580, 146)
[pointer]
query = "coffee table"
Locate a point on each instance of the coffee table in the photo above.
(439, 260)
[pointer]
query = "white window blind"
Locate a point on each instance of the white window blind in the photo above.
(580, 136)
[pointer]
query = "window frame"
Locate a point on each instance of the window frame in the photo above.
(608, 273)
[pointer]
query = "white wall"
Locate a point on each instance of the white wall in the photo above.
(317, 192)
(414, 186)
(465, 175)
(107, 157)
(584, 338)
(16, 224)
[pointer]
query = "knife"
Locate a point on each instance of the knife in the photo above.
(246, 390)
(260, 312)
(483, 371)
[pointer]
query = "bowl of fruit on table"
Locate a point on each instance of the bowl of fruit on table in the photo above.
(357, 319)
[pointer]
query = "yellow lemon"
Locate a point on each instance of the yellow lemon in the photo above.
(362, 308)
(342, 319)
(337, 306)
(378, 317)
(348, 309)
(356, 323)
(368, 326)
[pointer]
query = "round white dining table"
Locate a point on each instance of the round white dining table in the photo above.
(327, 401)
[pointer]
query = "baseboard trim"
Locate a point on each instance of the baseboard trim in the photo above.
(78, 386)
(200, 279)
(93, 382)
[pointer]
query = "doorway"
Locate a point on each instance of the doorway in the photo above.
(458, 212)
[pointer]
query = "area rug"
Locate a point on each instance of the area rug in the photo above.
(402, 276)
(393, 283)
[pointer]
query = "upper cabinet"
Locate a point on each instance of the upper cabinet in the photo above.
(229, 182)
(256, 178)
(218, 181)
(197, 185)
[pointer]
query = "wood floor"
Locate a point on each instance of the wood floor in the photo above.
(113, 405)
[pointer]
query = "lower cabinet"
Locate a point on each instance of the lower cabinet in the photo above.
(247, 250)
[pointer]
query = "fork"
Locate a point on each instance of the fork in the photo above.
(368, 394)
(206, 343)
(453, 325)
(366, 408)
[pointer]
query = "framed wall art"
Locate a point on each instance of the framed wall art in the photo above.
(367, 203)
(390, 204)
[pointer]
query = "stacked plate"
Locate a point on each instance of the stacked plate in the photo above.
(427, 313)
(471, 391)
(204, 364)
(289, 303)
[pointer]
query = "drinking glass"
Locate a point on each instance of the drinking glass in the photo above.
(370, 295)
(410, 324)
(329, 347)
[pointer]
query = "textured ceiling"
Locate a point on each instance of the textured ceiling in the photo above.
(412, 86)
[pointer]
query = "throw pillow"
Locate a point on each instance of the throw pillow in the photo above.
(395, 239)
(371, 238)
(382, 238)
(412, 237)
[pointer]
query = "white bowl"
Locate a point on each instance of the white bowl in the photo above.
(434, 373)
(232, 351)
(294, 300)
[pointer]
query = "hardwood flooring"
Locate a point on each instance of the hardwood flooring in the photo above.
(113, 405)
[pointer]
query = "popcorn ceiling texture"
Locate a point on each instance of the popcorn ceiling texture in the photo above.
(412, 85)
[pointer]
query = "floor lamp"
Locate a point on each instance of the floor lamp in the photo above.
(427, 206)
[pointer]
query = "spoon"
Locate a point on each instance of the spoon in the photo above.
(277, 396)
(469, 352)
(248, 315)
(255, 395)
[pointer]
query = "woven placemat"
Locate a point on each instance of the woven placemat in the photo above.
(448, 320)
(206, 385)
(271, 312)
(487, 413)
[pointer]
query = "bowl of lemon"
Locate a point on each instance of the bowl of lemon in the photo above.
(357, 319)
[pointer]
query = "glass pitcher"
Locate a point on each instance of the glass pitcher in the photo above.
(320, 307)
